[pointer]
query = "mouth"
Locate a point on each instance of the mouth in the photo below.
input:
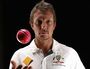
(43, 33)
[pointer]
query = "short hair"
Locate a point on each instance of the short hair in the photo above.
(43, 7)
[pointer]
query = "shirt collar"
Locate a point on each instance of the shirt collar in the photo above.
(55, 46)
(35, 49)
(33, 46)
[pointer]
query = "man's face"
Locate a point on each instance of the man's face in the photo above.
(43, 25)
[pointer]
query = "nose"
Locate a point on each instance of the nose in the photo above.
(44, 26)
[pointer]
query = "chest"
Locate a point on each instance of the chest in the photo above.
(55, 62)
(52, 61)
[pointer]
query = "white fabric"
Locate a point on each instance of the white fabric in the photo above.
(69, 59)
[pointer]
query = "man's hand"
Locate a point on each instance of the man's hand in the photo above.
(20, 66)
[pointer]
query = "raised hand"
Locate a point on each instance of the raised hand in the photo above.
(20, 66)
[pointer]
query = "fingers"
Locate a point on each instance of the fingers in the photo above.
(13, 65)
(27, 67)
(19, 67)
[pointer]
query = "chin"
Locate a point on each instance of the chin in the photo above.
(44, 38)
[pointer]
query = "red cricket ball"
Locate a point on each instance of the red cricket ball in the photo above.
(23, 36)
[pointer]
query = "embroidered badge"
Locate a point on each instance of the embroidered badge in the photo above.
(27, 60)
(58, 57)
(58, 60)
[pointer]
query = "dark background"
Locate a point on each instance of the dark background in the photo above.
(72, 26)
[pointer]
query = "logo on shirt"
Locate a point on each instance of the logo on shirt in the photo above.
(58, 60)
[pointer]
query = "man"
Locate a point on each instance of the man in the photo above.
(44, 52)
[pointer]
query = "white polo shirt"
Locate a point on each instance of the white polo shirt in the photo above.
(60, 57)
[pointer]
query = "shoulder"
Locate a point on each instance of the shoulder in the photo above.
(25, 50)
(64, 48)
(19, 51)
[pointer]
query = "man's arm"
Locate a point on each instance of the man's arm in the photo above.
(15, 64)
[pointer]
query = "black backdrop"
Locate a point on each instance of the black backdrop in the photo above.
(72, 26)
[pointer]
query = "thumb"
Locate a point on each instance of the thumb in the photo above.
(29, 67)
(13, 64)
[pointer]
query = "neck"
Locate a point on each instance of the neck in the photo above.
(45, 45)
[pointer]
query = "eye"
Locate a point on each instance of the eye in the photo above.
(39, 22)
(49, 22)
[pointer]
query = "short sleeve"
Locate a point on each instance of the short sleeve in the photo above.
(77, 61)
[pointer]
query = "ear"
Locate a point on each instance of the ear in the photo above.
(31, 24)
(54, 25)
